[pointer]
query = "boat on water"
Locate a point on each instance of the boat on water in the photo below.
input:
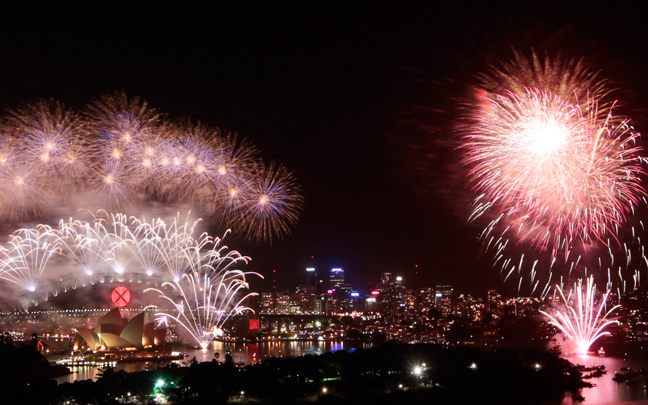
(582, 368)
(601, 352)
(629, 375)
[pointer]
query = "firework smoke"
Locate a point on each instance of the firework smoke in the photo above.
(115, 245)
(199, 278)
(120, 152)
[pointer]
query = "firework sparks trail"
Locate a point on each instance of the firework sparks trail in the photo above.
(115, 244)
(582, 319)
(120, 151)
(541, 162)
(201, 280)
(202, 304)
(25, 260)
(552, 168)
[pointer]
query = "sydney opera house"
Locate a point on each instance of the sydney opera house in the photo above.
(117, 333)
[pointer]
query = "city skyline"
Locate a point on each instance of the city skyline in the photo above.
(324, 202)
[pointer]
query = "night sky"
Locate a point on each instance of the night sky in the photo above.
(360, 103)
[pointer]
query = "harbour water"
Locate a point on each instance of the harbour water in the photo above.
(242, 353)
(605, 392)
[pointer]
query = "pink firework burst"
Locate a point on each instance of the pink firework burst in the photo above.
(551, 166)
(551, 169)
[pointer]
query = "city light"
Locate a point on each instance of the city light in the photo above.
(422, 136)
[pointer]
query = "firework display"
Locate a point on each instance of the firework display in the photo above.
(555, 173)
(581, 317)
(206, 302)
(200, 278)
(119, 152)
(113, 243)
(27, 255)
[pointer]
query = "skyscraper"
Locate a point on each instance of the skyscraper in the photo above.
(336, 278)
(387, 288)
(311, 279)
(443, 298)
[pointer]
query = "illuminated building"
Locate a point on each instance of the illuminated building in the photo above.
(443, 298)
(371, 303)
(311, 279)
(399, 291)
(386, 297)
(336, 278)
(493, 304)
(115, 332)
(267, 302)
(282, 303)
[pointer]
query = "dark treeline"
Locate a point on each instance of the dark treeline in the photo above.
(383, 374)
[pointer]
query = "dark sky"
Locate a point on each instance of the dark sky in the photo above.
(360, 103)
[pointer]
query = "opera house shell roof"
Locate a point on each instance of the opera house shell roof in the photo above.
(115, 332)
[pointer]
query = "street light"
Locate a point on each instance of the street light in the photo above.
(418, 371)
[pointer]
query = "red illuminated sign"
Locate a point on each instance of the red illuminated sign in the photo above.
(254, 324)
(121, 296)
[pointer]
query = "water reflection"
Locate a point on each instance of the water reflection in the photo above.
(608, 391)
(242, 353)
